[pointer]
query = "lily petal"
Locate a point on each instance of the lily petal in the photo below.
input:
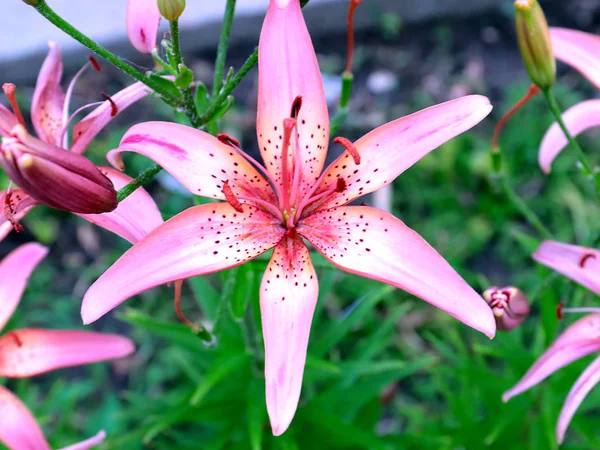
(88, 443)
(287, 68)
(374, 244)
(288, 296)
(86, 129)
(389, 150)
(584, 384)
(48, 99)
(578, 49)
(577, 341)
(15, 270)
(18, 428)
(21, 203)
(134, 218)
(578, 118)
(200, 240)
(30, 352)
(581, 264)
(196, 159)
(142, 19)
(7, 121)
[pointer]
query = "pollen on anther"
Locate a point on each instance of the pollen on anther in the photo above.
(350, 148)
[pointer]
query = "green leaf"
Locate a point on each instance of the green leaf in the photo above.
(245, 288)
(218, 371)
(257, 413)
(202, 98)
(166, 85)
(206, 296)
(184, 78)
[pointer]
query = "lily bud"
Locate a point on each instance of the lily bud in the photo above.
(509, 305)
(534, 43)
(56, 177)
(171, 9)
(32, 2)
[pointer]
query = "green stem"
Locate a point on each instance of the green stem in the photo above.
(137, 182)
(223, 46)
(587, 168)
(55, 19)
(229, 87)
(188, 98)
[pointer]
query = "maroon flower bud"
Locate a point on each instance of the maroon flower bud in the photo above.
(509, 305)
(54, 176)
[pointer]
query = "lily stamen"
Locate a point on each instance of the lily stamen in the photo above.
(288, 126)
(296, 106)
(9, 90)
(231, 198)
(114, 109)
(585, 258)
(350, 148)
(177, 304)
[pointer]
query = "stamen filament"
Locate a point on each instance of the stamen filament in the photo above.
(531, 92)
(288, 126)
(353, 5)
(308, 200)
(9, 90)
(177, 304)
(266, 205)
(67, 123)
(67, 103)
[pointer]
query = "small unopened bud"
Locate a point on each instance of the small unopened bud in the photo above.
(54, 176)
(171, 9)
(534, 43)
(509, 305)
(32, 2)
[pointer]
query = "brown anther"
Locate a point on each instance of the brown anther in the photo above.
(114, 108)
(231, 198)
(228, 140)
(10, 214)
(9, 89)
(15, 336)
(585, 258)
(559, 311)
(95, 63)
(341, 185)
(296, 105)
(350, 148)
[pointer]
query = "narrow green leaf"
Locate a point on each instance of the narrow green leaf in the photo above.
(257, 413)
(218, 371)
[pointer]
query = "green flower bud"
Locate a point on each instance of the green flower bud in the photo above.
(171, 9)
(535, 44)
(32, 2)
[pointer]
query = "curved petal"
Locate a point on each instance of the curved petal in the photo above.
(374, 244)
(7, 121)
(20, 204)
(87, 128)
(88, 443)
(577, 341)
(392, 148)
(15, 270)
(578, 49)
(134, 218)
(584, 384)
(198, 160)
(287, 68)
(48, 99)
(30, 352)
(142, 19)
(580, 264)
(198, 241)
(288, 296)
(18, 428)
(578, 118)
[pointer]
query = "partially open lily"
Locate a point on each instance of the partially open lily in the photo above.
(29, 352)
(581, 51)
(48, 174)
(290, 199)
(143, 19)
(581, 264)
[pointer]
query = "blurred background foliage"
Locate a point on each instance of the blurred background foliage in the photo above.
(385, 370)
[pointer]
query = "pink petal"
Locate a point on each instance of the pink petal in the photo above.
(134, 218)
(374, 244)
(578, 118)
(389, 150)
(48, 99)
(200, 240)
(30, 352)
(584, 384)
(287, 68)
(143, 18)
(15, 270)
(579, 50)
(288, 296)
(88, 443)
(18, 428)
(21, 204)
(7, 121)
(198, 160)
(581, 264)
(577, 341)
(86, 129)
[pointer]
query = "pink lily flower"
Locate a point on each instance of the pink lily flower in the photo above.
(29, 352)
(131, 219)
(290, 199)
(142, 19)
(581, 51)
(579, 340)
